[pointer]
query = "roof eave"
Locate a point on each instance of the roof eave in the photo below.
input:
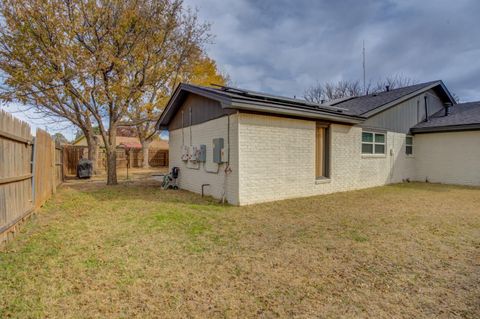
(232, 103)
(172, 104)
(446, 128)
(409, 96)
(294, 111)
(399, 100)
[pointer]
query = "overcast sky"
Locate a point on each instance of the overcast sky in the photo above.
(282, 47)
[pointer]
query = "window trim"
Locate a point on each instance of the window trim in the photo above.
(411, 145)
(374, 143)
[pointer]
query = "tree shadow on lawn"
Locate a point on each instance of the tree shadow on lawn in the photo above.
(146, 190)
(432, 187)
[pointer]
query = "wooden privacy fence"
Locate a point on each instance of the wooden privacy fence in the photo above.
(28, 174)
(156, 158)
(73, 153)
(71, 156)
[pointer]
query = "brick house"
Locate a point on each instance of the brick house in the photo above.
(249, 147)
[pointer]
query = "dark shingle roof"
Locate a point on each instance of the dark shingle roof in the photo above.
(366, 103)
(461, 116)
(234, 98)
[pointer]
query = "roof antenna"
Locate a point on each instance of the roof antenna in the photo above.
(364, 86)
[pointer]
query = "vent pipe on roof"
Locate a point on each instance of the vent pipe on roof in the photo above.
(387, 88)
(447, 108)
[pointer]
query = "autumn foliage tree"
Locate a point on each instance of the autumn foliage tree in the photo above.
(196, 68)
(97, 58)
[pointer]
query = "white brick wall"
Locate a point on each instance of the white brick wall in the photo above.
(450, 158)
(193, 176)
(276, 158)
(273, 158)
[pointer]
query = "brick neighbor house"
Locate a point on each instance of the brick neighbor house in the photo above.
(250, 147)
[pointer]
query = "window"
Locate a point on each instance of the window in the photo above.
(409, 145)
(322, 151)
(373, 143)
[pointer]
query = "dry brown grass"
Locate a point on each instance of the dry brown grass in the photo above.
(401, 251)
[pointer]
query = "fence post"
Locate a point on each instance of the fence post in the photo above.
(53, 164)
(34, 173)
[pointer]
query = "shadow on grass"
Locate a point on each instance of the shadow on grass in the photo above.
(431, 187)
(147, 190)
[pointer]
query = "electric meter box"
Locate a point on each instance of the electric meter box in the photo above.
(184, 153)
(217, 150)
(193, 153)
(202, 153)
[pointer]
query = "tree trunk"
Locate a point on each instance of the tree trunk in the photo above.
(112, 166)
(145, 152)
(92, 150)
(111, 155)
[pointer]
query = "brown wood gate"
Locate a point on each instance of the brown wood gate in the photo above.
(71, 156)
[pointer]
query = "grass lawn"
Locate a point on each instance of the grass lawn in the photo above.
(133, 250)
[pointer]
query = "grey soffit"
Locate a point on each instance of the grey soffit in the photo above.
(232, 98)
(463, 116)
(371, 104)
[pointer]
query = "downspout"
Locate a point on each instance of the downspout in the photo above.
(190, 126)
(426, 108)
(183, 133)
(227, 167)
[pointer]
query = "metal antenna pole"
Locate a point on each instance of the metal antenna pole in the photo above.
(364, 85)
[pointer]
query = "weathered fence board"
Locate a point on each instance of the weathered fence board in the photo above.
(157, 157)
(71, 156)
(73, 153)
(29, 171)
(44, 164)
(59, 176)
(16, 200)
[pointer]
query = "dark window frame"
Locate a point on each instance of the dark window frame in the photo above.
(409, 145)
(374, 143)
(326, 150)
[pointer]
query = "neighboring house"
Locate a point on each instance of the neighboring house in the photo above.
(251, 147)
(128, 141)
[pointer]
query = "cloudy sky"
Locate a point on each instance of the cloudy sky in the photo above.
(282, 47)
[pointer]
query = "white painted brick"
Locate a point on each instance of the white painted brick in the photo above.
(192, 179)
(277, 159)
(273, 158)
(450, 158)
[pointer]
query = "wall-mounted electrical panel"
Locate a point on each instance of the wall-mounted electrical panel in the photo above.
(192, 152)
(202, 153)
(217, 150)
(185, 153)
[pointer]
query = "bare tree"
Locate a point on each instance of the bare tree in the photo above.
(329, 91)
(393, 82)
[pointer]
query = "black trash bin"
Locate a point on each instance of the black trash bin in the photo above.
(84, 168)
